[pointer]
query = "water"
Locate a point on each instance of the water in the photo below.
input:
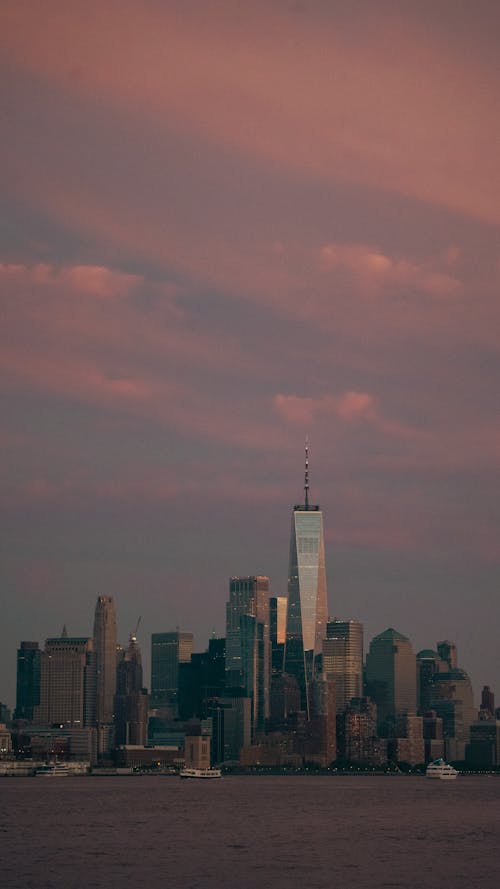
(250, 833)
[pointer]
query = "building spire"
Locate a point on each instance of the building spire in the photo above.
(306, 474)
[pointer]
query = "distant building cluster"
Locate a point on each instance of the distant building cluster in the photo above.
(287, 687)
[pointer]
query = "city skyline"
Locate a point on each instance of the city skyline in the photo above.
(299, 234)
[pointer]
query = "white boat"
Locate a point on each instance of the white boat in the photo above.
(52, 770)
(441, 770)
(200, 773)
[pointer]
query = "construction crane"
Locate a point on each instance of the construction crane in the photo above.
(133, 635)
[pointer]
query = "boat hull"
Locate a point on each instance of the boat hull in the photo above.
(439, 770)
(200, 773)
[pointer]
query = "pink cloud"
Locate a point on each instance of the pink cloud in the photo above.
(305, 92)
(376, 273)
(349, 407)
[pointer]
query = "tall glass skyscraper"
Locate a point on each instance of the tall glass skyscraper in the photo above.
(307, 597)
(168, 650)
(28, 680)
(248, 644)
(391, 678)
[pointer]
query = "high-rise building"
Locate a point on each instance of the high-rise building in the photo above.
(343, 659)
(168, 650)
(202, 680)
(67, 682)
(429, 663)
(488, 701)
(453, 700)
(277, 631)
(448, 652)
(307, 611)
(105, 655)
(28, 680)
(131, 699)
(248, 643)
(358, 741)
(391, 678)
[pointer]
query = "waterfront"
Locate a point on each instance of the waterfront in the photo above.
(250, 832)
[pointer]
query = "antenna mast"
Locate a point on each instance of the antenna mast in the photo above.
(306, 475)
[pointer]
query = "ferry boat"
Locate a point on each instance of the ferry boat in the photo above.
(200, 773)
(441, 770)
(52, 770)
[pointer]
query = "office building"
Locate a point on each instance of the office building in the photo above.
(391, 678)
(429, 663)
(307, 596)
(483, 749)
(343, 659)
(357, 739)
(447, 651)
(67, 682)
(168, 650)
(487, 701)
(277, 631)
(248, 643)
(453, 700)
(28, 680)
(131, 699)
(105, 655)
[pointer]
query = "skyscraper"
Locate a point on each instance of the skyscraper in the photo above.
(277, 631)
(248, 642)
(168, 650)
(105, 655)
(307, 597)
(391, 677)
(343, 659)
(131, 700)
(28, 680)
(67, 682)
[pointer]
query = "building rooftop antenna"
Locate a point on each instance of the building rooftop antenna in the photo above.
(306, 474)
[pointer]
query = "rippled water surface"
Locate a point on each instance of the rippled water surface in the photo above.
(250, 832)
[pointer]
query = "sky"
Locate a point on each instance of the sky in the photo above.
(226, 226)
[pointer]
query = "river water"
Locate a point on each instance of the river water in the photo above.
(250, 833)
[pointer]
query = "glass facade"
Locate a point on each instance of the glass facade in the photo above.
(391, 676)
(168, 650)
(28, 680)
(248, 642)
(343, 659)
(307, 597)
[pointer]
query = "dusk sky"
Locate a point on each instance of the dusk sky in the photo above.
(224, 226)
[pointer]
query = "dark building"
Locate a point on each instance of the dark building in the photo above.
(131, 699)
(429, 664)
(168, 651)
(391, 678)
(285, 699)
(447, 651)
(105, 659)
(488, 701)
(321, 741)
(453, 700)
(201, 681)
(28, 680)
(432, 730)
(483, 750)
(247, 643)
(277, 625)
